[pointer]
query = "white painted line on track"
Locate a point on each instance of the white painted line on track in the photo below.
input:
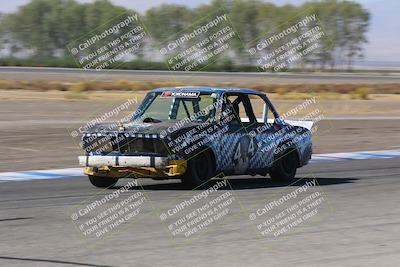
(78, 172)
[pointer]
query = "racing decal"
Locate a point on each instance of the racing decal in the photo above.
(244, 151)
(181, 94)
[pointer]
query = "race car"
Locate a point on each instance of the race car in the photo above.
(194, 134)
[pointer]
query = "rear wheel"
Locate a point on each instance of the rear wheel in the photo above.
(102, 182)
(199, 170)
(285, 167)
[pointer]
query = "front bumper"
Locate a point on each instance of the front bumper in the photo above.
(132, 166)
(123, 161)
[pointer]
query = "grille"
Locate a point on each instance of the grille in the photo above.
(98, 144)
(123, 145)
(150, 145)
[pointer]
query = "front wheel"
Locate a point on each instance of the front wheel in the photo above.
(285, 167)
(102, 182)
(200, 169)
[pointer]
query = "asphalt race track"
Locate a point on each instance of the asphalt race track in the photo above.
(359, 226)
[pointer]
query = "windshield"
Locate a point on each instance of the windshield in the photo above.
(177, 105)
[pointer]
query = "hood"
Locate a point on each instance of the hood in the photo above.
(135, 128)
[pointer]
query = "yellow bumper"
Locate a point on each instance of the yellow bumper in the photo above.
(174, 168)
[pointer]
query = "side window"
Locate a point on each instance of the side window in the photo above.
(237, 106)
(205, 104)
(260, 108)
(249, 108)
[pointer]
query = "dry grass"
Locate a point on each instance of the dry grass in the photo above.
(288, 91)
(77, 91)
(361, 93)
(378, 105)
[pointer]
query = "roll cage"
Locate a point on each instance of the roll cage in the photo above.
(244, 99)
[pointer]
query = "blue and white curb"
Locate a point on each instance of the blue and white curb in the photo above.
(332, 157)
(41, 174)
(78, 172)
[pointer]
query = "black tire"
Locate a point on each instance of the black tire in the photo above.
(285, 167)
(199, 170)
(102, 182)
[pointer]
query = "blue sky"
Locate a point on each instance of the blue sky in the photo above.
(383, 36)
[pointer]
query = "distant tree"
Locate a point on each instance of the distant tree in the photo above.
(47, 26)
(166, 21)
(3, 31)
(244, 17)
(352, 29)
(345, 24)
(32, 28)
